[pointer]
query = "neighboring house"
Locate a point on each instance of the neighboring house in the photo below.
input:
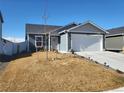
(1, 22)
(5, 45)
(83, 37)
(115, 39)
(37, 36)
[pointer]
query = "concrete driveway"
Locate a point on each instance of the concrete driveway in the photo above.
(114, 60)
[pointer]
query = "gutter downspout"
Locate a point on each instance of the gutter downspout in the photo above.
(67, 41)
(104, 42)
(28, 41)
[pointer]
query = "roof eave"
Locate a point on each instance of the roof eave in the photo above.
(109, 35)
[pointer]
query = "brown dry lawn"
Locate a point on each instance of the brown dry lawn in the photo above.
(66, 73)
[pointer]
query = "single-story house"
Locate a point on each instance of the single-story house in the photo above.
(37, 36)
(1, 22)
(82, 37)
(115, 39)
(78, 37)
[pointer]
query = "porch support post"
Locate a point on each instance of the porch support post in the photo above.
(49, 41)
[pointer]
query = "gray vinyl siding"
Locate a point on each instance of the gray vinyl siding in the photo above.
(64, 43)
(114, 43)
(0, 29)
(32, 43)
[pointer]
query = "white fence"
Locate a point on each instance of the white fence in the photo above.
(10, 48)
(22, 47)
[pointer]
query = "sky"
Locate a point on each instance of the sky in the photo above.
(16, 13)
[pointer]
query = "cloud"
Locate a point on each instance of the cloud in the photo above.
(14, 39)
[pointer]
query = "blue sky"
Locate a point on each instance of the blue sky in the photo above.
(16, 13)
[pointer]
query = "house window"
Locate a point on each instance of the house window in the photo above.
(39, 41)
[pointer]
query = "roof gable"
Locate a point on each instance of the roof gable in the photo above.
(66, 27)
(88, 27)
(40, 29)
(1, 17)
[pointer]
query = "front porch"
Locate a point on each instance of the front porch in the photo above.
(42, 42)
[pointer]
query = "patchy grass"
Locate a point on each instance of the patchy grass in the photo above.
(66, 73)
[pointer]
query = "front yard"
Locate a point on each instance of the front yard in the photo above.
(63, 72)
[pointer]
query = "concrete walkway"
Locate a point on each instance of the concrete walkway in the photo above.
(114, 60)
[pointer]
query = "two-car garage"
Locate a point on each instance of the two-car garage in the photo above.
(84, 37)
(81, 42)
(86, 42)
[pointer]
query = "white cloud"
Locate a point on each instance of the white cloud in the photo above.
(14, 39)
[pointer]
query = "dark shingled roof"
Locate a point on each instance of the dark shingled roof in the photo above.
(118, 30)
(40, 29)
(1, 17)
(66, 27)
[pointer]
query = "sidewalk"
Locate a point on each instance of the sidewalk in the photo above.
(117, 90)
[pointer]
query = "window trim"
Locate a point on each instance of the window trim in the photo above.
(36, 36)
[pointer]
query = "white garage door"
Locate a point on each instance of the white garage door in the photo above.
(80, 42)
